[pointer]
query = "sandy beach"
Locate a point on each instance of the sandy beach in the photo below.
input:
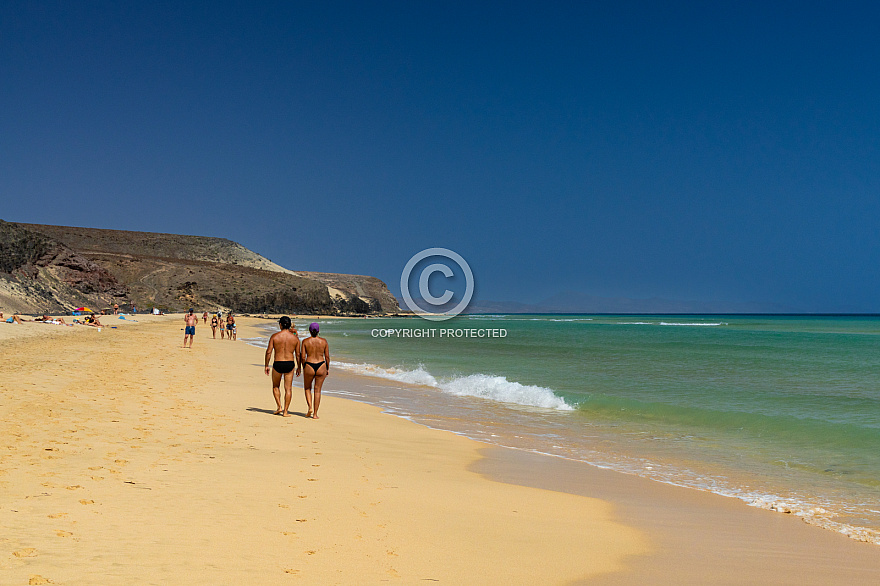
(129, 460)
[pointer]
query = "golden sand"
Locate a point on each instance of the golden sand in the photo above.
(125, 459)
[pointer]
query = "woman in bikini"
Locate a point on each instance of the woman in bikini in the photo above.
(315, 358)
(214, 326)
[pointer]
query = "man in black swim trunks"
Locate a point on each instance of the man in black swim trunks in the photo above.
(285, 344)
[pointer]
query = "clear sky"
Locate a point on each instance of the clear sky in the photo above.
(719, 152)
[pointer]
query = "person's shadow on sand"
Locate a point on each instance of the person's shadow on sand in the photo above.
(271, 412)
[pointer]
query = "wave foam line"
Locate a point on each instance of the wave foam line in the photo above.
(486, 386)
(663, 323)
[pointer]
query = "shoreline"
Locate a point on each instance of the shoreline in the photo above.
(194, 472)
(698, 446)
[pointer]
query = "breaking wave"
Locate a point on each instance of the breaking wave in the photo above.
(485, 386)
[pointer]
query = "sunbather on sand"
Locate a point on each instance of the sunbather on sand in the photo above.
(58, 321)
(13, 319)
(92, 320)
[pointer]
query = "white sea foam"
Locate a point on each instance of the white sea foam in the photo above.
(569, 319)
(495, 388)
(499, 388)
(663, 323)
(666, 323)
(419, 376)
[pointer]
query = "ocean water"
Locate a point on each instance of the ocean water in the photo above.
(782, 412)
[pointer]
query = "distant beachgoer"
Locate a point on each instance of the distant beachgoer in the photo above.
(205, 317)
(222, 325)
(214, 326)
(115, 308)
(49, 320)
(190, 330)
(92, 320)
(230, 327)
(13, 319)
(315, 355)
(285, 345)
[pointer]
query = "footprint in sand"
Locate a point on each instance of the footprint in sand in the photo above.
(311, 551)
(74, 487)
(57, 515)
(61, 533)
(291, 571)
(301, 520)
(284, 506)
(86, 502)
(28, 552)
(38, 579)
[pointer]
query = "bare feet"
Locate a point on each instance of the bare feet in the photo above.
(285, 414)
(277, 411)
(309, 413)
(315, 416)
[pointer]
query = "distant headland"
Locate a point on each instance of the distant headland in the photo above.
(58, 268)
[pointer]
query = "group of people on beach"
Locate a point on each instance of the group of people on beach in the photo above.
(89, 320)
(310, 356)
(227, 328)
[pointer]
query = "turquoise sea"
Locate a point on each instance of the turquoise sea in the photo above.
(782, 412)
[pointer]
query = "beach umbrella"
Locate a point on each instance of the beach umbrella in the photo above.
(84, 309)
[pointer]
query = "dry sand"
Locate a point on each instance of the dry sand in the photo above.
(126, 459)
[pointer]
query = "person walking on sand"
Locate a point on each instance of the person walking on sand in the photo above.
(315, 358)
(230, 327)
(205, 317)
(190, 331)
(222, 325)
(214, 326)
(285, 345)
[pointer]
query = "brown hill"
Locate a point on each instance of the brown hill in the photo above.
(169, 271)
(40, 274)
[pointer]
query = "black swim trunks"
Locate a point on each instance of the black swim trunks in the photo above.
(283, 366)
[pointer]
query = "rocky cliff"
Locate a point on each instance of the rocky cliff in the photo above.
(39, 273)
(53, 268)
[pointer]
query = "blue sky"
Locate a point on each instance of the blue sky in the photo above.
(725, 153)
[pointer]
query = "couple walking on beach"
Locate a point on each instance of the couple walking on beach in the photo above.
(311, 357)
